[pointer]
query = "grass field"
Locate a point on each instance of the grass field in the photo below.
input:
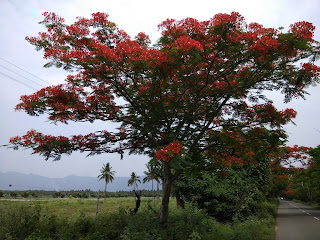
(39, 219)
(67, 207)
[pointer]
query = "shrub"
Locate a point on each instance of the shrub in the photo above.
(111, 225)
(50, 227)
(264, 209)
(34, 194)
(254, 229)
(25, 194)
(190, 223)
(13, 194)
(84, 195)
(18, 222)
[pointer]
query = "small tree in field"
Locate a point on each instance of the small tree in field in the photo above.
(25, 194)
(13, 194)
(197, 96)
(133, 181)
(153, 174)
(107, 176)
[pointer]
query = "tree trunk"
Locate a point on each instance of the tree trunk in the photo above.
(105, 191)
(180, 202)
(153, 194)
(166, 189)
(138, 201)
(158, 197)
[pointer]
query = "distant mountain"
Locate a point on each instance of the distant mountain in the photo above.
(21, 181)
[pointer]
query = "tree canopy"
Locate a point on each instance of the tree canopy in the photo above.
(196, 96)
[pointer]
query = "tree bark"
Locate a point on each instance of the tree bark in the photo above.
(180, 202)
(105, 191)
(166, 189)
(138, 201)
(158, 196)
(153, 190)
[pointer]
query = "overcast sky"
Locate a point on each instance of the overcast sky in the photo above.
(19, 19)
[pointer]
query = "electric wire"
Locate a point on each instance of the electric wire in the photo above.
(21, 75)
(25, 70)
(27, 79)
(18, 81)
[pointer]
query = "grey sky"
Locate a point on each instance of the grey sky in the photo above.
(19, 19)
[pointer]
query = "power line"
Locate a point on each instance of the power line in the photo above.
(22, 76)
(25, 71)
(18, 81)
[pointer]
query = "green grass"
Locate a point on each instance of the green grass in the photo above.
(74, 219)
(308, 203)
(67, 207)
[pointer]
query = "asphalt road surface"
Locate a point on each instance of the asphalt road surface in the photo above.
(296, 221)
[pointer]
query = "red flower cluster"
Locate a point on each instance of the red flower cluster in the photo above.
(264, 45)
(186, 43)
(222, 18)
(311, 70)
(289, 155)
(303, 30)
(166, 153)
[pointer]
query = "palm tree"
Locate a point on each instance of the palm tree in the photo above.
(107, 175)
(134, 180)
(152, 174)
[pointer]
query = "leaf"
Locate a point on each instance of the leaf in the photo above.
(285, 36)
(303, 45)
(48, 65)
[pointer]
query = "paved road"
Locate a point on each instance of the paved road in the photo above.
(297, 222)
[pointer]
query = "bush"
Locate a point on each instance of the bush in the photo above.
(25, 194)
(34, 194)
(254, 229)
(1, 193)
(265, 209)
(191, 223)
(50, 227)
(111, 225)
(13, 194)
(84, 195)
(18, 222)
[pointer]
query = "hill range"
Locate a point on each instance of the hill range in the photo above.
(21, 181)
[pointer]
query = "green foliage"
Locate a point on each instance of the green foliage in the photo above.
(75, 194)
(18, 222)
(134, 180)
(225, 197)
(1, 193)
(107, 175)
(58, 194)
(34, 194)
(190, 223)
(254, 229)
(305, 183)
(25, 194)
(264, 209)
(14, 194)
(84, 195)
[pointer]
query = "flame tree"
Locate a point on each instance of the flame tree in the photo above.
(196, 96)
